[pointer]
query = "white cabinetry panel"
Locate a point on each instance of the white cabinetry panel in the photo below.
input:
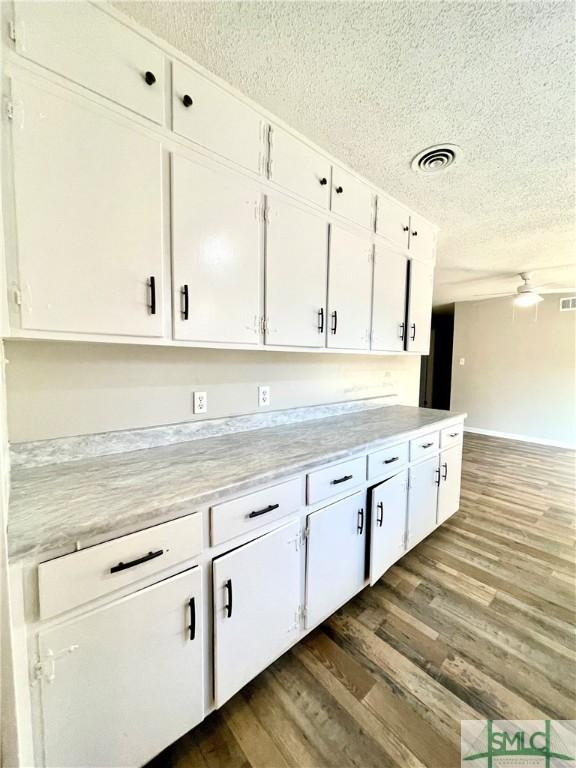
(89, 218)
(422, 239)
(296, 265)
(256, 607)
(420, 286)
(388, 524)
(422, 500)
(121, 683)
(389, 300)
(393, 221)
(216, 245)
(299, 168)
(450, 477)
(349, 290)
(216, 119)
(335, 556)
(86, 45)
(352, 199)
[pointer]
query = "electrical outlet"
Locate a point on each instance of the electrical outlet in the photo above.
(462, 361)
(200, 402)
(263, 396)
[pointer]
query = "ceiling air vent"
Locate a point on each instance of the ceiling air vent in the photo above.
(436, 159)
(568, 304)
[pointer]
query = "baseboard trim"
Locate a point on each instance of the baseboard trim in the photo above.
(521, 438)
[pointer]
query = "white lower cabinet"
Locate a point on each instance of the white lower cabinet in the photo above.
(335, 556)
(422, 500)
(388, 524)
(256, 607)
(121, 683)
(450, 477)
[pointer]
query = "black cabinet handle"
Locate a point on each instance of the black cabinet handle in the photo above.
(334, 322)
(187, 100)
(152, 286)
(339, 190)
(413, 334)
(150, 78)
(185, 302)
(402, 329)
(390, 461)
(342, 479)
(380, 517)
(144, 559)
(228, 606)
(437, 481)
(414, 234)
(323, 181)
(360, 527)
(192, 627)
(454, 434)
(445, 475)
(405, 229)
(426, 445)
(321, 320)
(259, 512)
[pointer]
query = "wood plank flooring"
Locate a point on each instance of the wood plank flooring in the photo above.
(476, 622)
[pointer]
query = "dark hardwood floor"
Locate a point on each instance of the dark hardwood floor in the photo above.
(476, 622)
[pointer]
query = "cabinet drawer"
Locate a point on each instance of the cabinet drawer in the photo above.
(451, 435)
(299, 168)
(71, 580)
(352, 199)
(238, 516)
(335, 479)
(86, 45)
(393, 221)
(207, 114)
(424, 446)
(387, 461)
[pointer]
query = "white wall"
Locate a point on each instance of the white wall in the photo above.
(59, 389)
(519, 374)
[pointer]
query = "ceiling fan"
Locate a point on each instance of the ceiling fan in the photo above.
(527, 293)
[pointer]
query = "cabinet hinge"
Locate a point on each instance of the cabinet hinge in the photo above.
(302, 612)
(44, 668)
(17, 297)
(263, 324)
(10, 110)
(269, 151)
(12, 31)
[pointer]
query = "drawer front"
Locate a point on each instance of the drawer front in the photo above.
(393, 221)
(86, 45)
(424, 446)
(72, 580)
(210, 116)
(387, 461)
(335, 479)
(238, 516)
(352, 199)
(451, 435)
(299, 168)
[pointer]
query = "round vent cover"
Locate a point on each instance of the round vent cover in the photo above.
(436, 159)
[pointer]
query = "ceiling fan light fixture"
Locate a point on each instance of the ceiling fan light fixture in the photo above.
(527, 299)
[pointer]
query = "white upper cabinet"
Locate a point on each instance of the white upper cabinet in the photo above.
(256, 607)
(388, 524)
(299, 168)
(296, 264)
(126, 680)
(349, 290)
(420, 285)
(215, 119)
(422, 239)
(217, 266)
(389, 300)
(83, 44)
(393, 221)
(88, 202)
(352, 199)
(450, 477)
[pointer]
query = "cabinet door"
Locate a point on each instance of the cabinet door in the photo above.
(393, 221)
(296, 268)
(216, 119)
(352, 199)
(216, 246)
(88, 198)
(256, 607)
(422, 500)
(125, 681)
(420, 286)
(84, 44)
(388, 524)
(349, 290)
(389, 300)
(335, 556)
(422, 239)
(449, 490)
(299, 168)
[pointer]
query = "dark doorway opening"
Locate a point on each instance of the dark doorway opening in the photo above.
(436, 368)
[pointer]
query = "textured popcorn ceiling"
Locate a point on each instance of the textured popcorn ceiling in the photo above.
(375, 82)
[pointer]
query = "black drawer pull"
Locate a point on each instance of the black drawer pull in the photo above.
(334, 321)
(426, 445)
(380, 517)
(339, 190)
(187, 100)
(150, 78)
(259, 512)
(454, 434)
(393, 459)
(144, 559)
(413, 335)
(321, 320)
(323, 181)
(360, 527)
(405, 229)
(186, 303)
(414, 233)
(192, 627)
(342, 479)
(152, 286)
(228, 606)
(445, 475)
